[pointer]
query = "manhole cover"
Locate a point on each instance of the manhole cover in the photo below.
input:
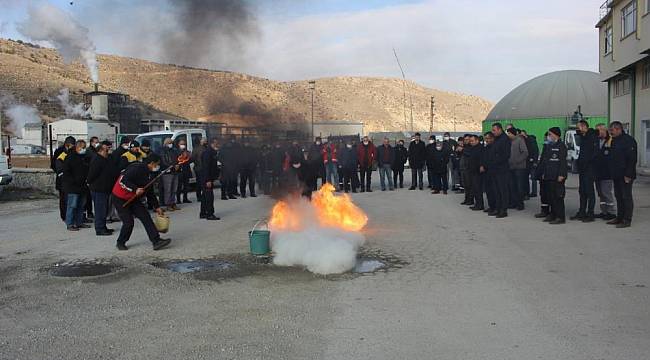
(366, 265)
(82, 268)
(191, 266)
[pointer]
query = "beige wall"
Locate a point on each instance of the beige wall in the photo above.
(620, 107)
(642, 115)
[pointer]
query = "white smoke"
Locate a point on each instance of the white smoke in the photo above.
(19, 114)
(74, 110)
(49, 23)
(322, 250)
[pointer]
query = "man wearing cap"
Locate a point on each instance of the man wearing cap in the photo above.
(132, 155)
(417, 157)
(129, 185)
(56, 164)
(553, 169)
(622, 167)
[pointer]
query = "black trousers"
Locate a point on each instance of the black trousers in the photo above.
(468, 184)
(624, 200)
(543, 197)
(349, 176)
(417, 174)
(440, 181)
(477, 190)
(247, 176)
(490, 191)
(127, 215)
(207, 200)
(430, 177)
(398, 174)
(555, 194)
(199, 188)
(365, 173)
(89, 204)
(183, 187)
(501, 191)
(587, 192)
(63, 204)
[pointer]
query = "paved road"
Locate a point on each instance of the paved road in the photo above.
(475, 288)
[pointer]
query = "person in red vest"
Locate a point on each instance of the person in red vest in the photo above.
(366, 153)
(131, 184)
(329, 153)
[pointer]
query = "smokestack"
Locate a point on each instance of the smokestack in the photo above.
(96, 87)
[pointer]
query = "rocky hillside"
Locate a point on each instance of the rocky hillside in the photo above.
(34, 75)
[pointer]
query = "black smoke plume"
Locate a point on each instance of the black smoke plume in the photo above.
(209, 32)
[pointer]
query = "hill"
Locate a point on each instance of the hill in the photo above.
(35, 75)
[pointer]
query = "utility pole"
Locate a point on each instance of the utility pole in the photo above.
(433, 102)
(312, 87)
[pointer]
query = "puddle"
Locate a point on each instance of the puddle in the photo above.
(191, 266)
(365, 265)
(82, 268)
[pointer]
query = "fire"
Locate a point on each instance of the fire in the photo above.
(329, 210)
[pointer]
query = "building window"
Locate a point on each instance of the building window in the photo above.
(645, 75)
(609, 39)
(622, 86)
(628, 17)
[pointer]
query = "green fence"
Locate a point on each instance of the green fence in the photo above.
(539, 126)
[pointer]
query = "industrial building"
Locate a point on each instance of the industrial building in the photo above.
(559, 99)
(624, 31)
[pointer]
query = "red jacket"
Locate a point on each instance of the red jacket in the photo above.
(329, 148)
(361, 155)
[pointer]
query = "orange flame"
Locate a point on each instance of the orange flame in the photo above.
(330, 210)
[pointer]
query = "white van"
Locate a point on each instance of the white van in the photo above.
(192, 138)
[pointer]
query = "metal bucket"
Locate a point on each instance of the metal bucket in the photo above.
(260, 240)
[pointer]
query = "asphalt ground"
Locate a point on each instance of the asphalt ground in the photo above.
(469, 287)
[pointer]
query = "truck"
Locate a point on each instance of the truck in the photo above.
(81, 130)
(6, 175)
(192, 138)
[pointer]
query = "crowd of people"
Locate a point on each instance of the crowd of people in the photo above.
(496, 172)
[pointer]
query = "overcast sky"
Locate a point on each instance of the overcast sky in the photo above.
(483, 48)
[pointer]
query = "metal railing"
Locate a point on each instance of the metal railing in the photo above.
(605, 9)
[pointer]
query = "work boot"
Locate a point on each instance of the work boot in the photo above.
(588, 219)
(122, 247)
(493, 213)
(103, 233)
(608, 217)
(542, 214)
(444, 192)
(72, 228)
(557, 222)
(615, 221)
(624, 224)
(368, 189)
(212, 217)
(253, 195)
(476, 208)
(412, 188)
(435, 192)
(243, 195)
(161, 243)
(549, 218)
(187, 201)
(232, 197)
(224, 198)
(502, 215)
(363, 189)
(84, 226)
(578, 216)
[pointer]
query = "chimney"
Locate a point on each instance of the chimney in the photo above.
(96, 86)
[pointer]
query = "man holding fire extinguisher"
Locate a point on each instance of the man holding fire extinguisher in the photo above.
(128, 189)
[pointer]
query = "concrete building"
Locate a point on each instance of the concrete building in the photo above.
(624, 28)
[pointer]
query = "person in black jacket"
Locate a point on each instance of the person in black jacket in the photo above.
(501, 169)
(554, 170)
(348, 162)
(276, 161)
(622, 166)
(265, 169)
(588, 141)
(401, 156)
(486, 171)
(100, 181)
(132, 184)
(430, 149)
(56, 164)
(474, 173)
(169, 180)
(209, 174)
(230, 156)
(543, 191)
(185, 173)
(533, 159)
(604, 182)
(75, 172)
(417, 160)
(385, 159)
(247, 169)
(437, 167)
